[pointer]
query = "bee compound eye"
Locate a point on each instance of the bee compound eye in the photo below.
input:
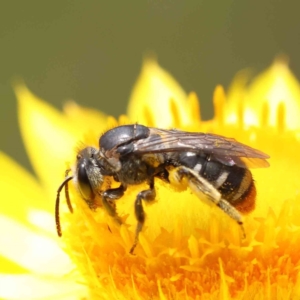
(84, 184)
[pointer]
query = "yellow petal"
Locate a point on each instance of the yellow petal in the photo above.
(157, 98)
(236, 97)
(49, 139)
(34, 287)
(274, 86)
(88, 121)
(268, 90)
(20, 192)
(31, 250)
(10, 267)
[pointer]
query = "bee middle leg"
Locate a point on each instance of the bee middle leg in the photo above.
(200, 185)
(146, 195)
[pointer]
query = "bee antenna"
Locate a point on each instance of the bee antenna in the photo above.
(67, 191)
(64, 184)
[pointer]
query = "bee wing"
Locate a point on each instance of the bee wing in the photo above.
(225, 150)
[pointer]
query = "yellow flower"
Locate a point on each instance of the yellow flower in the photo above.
(187, 250)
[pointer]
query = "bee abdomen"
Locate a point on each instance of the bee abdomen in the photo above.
(234, 183)
(239, 189)
(208, 169)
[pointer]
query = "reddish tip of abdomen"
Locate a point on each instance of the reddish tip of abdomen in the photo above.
(247, 203)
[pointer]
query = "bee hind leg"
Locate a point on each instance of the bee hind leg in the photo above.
(146, 195)
(233, 213)
(207, 191)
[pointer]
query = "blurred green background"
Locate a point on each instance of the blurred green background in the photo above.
(91, 51)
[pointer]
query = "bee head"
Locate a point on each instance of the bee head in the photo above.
(88, 174)
(88, 177)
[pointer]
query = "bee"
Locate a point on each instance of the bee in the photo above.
(214, 166)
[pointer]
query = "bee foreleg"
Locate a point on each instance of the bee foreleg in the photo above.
(147, 195)
(202, 187)
(108, 200)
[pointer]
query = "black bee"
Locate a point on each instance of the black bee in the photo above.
(214, 166)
